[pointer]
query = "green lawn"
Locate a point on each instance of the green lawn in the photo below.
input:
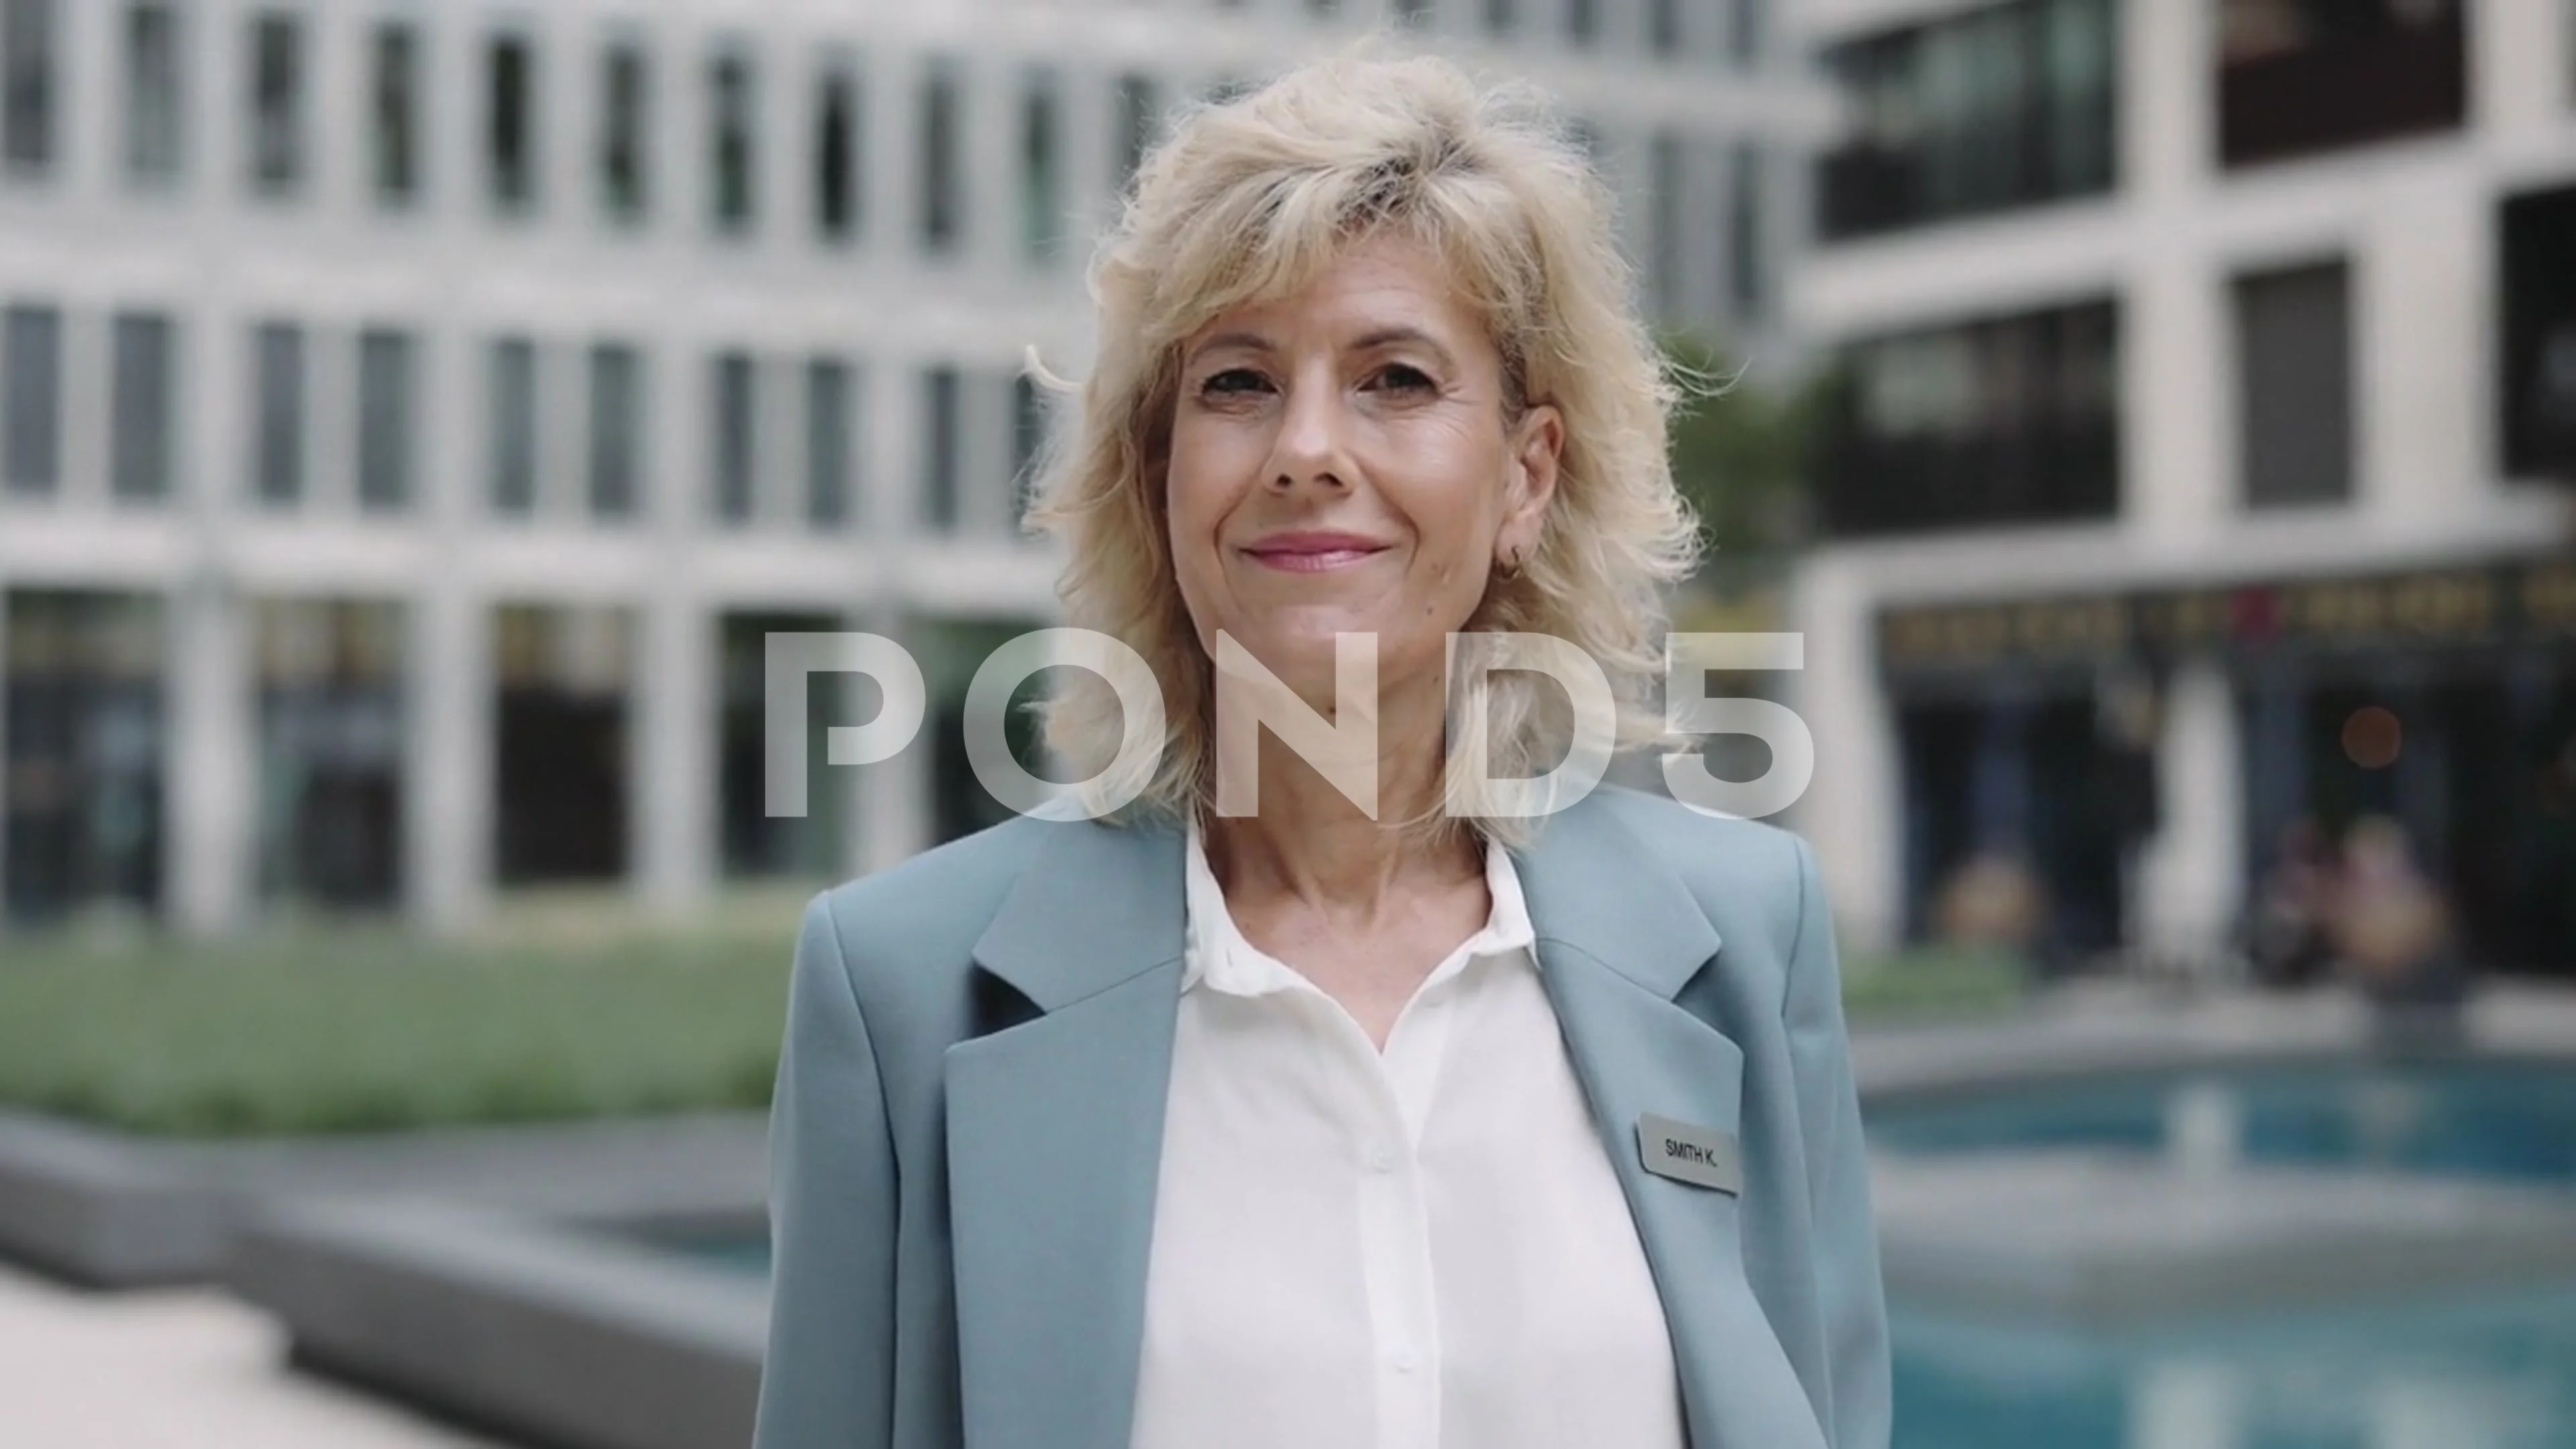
(566, 1009)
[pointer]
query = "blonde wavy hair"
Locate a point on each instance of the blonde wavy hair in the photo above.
(1249, 200)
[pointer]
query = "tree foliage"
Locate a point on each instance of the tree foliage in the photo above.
(1741, 455)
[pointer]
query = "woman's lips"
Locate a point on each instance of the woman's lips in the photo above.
(1314, 555)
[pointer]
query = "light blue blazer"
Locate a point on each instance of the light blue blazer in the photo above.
(968, 1127)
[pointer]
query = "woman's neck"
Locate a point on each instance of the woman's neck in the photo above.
(1309, 841)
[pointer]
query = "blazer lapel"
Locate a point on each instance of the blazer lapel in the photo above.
(1619, 936)
(1055, 1133)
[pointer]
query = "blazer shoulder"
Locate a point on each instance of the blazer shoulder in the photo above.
(920, 918)
(1734, 867)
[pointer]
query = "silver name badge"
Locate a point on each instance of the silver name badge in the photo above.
(1701, 1156)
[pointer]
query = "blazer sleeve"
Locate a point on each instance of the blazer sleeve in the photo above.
(827, 1381)
(1857, 1398)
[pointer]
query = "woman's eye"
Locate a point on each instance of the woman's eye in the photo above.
(1403, 377)
(1233, 380)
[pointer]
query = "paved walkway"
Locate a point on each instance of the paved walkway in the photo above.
(188, 1369)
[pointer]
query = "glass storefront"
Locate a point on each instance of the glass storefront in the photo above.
(83, 727)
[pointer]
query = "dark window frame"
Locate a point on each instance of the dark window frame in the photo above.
(397, 61)
(155, 114)
(513, 130)
(31, 399)
(2046, 133)
(2034, 438)
(31, 87)
(733, 431)
(733, 139)
(2282, 394)
(143, 406)
(840, 131)
(513, 425)
(281, 112)
(281, 413)
(624, 159)
(388, 442)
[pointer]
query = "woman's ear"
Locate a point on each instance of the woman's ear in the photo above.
(1537, 445)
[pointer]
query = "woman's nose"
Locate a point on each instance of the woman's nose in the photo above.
(1313, 442)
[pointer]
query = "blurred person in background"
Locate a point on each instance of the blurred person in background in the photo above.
(2286, 936)
(1994, 902)
(2392, 929)
(1299, 1130)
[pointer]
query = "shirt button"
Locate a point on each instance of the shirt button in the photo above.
(1404, 1360)
(1381, 1158)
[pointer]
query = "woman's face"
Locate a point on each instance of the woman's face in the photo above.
(1342, 463)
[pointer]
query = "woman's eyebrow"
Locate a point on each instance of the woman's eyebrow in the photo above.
(1394, 336)
(1246, 341)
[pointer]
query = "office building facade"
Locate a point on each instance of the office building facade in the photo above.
(414, 416)
(2203, 395)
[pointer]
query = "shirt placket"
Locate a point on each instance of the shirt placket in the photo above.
(1386, 1098)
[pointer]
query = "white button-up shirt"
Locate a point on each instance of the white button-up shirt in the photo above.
(1420, 1249)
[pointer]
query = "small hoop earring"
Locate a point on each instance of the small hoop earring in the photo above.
(1510, 567)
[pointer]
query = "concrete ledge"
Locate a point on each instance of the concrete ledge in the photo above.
(100, 1210)
(547, 1334)
(111, 1210)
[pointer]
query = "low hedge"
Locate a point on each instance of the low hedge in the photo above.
(367, 1031)
(578, 1013)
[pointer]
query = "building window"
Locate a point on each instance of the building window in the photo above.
(830, 442)
(1583, 21)
(155, 103)
(2537, 323)
(2297, 77)
(731, 142)
(616, 430)
(397, 113)
(732, 401)
(2002, 107)
(624, 130)
(943, 188)
(31, 372)
(1138, 111)
(387, 364)
(1665, 222)
(512, 407)
(837, 152)
(87, 743)
(1748, 276)
(1664, 27)
(329, 686)
(27, 86)
(2009, 420)
(942, 447)
(1028, 443)
(510, 121)
(1748, 34)
(277, 367)
(143, 405)
(277, 104)
(2294, 382)
(1041, 170)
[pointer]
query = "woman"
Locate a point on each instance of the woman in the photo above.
(1298, 1127)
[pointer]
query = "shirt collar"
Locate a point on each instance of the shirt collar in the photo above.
(1220, 958)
